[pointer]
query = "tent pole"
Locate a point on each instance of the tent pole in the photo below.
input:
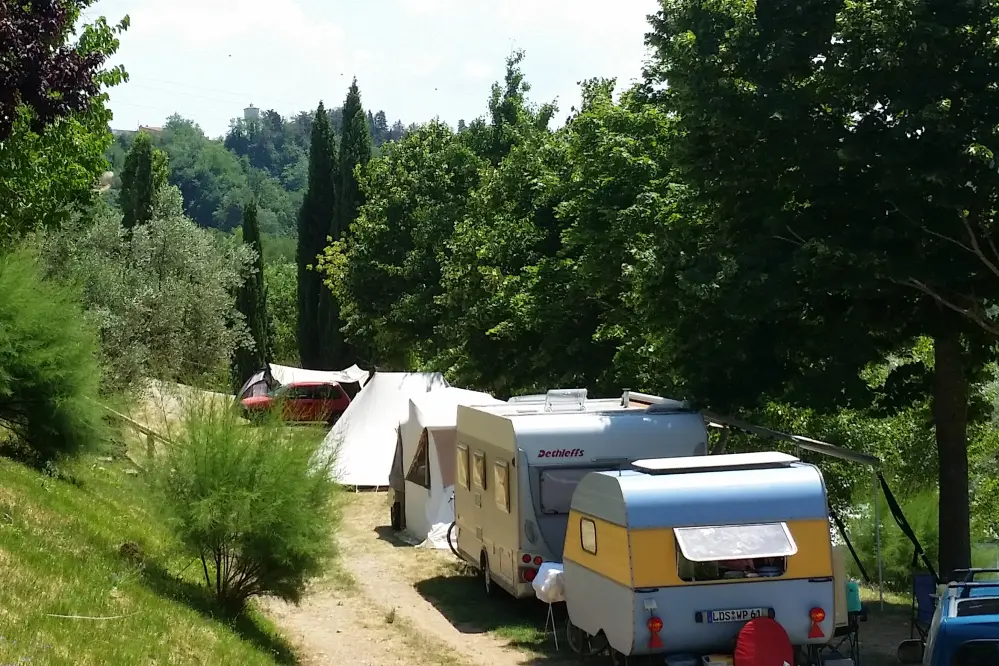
(877, 542)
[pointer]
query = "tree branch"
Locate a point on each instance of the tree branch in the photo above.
(971, 313)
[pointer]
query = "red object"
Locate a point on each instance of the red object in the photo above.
(655, 625)
(538, 561)
(816, 615)
(301, 401)
(763, 642)
(529, 574)
(526, 559)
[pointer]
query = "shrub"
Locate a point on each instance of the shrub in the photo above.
(49, 373)
(250, 502)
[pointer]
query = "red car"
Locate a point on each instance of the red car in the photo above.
(306, 402)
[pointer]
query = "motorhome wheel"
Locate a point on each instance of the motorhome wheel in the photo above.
(487, 579)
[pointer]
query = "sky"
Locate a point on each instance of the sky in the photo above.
(414, 59)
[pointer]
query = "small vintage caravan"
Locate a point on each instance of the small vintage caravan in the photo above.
(676, 555)
(518, 464)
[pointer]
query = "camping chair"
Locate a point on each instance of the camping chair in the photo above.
(845, 643)
(924, 588)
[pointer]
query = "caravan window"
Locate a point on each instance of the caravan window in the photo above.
(588, 535)
(463, 466)
(733, 551)
(501, 479)
(557, 486)
(479, 470)
(419, 471)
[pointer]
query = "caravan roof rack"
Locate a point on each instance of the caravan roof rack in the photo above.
(719, 463)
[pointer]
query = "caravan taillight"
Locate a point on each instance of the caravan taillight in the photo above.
(530, 575)
(655, 625)
(816, 615)
(526, 559)
(538, 560)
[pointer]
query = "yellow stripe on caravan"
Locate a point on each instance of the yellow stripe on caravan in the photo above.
(653, 555)
(611, 559)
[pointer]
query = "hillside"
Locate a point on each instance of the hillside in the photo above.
(73, 595)
(265, 159)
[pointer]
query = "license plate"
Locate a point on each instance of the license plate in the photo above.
(736, 615)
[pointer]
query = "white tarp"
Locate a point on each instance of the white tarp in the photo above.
(549, 583)
(364, 438)
(430, 511)
(284, 374)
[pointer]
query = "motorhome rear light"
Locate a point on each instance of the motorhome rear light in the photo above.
(530, 575)
(816, 615)
(655, 625)
(538, 560)
(526, 559)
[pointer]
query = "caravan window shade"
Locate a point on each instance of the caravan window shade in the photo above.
(501, 485)
(479, 470)
(462, 471)
(735, 542)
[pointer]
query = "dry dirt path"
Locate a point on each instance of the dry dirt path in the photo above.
(371, 613)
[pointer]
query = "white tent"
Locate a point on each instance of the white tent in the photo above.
(428, 460)
(284, 374)
(364, 438)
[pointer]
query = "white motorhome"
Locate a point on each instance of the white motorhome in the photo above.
(518, 464)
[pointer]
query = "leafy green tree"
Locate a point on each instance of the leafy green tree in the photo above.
(251, 302)
(53, 115)
(386, 274)
(50, 381)
(143, 175)
(160, 295)
(254, 504)
(282, 305)
(840, 187)
(315, 219)
(45, 74)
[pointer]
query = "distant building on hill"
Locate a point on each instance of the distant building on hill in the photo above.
(251, 113)
(152, 129)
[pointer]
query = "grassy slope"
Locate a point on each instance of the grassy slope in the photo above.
(59, 554)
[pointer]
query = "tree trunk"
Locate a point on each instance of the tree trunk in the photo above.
(950, 417)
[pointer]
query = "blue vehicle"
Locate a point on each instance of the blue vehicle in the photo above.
(965, 626)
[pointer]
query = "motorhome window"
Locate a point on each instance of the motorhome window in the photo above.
(733, 551)
(557, 486)
(501, 477)
(463, 466)
(588, 535)
(479, 470)
(419, 471)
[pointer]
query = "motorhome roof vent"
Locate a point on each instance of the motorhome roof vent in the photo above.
(719, 463)
(565, 400)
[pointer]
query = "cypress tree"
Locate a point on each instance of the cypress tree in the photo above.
(315, 219)
(251, 301)
(143, 174)
(355, 149)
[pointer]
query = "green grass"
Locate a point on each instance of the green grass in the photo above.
(60, 541)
